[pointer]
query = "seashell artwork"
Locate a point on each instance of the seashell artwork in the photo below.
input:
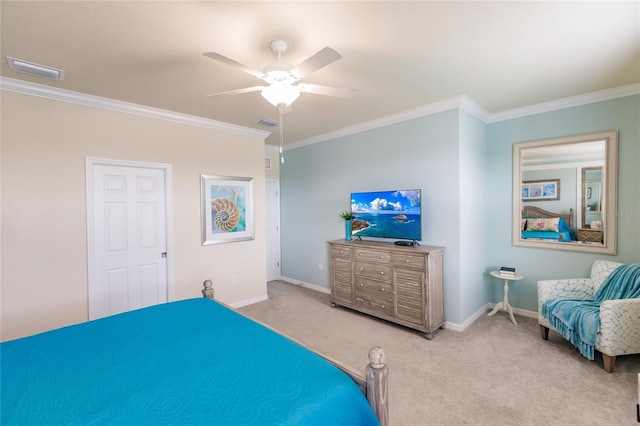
(227, 209)
(225, 214)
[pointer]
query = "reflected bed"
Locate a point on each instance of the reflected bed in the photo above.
(545, 225)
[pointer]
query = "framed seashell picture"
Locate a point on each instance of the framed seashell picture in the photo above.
(227, 209)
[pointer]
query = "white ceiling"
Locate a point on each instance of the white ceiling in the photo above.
(396, 55)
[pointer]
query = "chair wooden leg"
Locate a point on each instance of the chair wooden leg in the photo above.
(544, 332)
(609, 362)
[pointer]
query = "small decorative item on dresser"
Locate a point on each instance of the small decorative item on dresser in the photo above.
(347, 216)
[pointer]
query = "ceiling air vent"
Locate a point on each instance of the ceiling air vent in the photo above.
(35, 69)
(268, 122)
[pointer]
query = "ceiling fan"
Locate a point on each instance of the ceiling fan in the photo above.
(282, 79)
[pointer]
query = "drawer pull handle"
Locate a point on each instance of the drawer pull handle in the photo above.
(361, 285)
(407, 260)
(359, 254)
(341, 252)
(361, 269)
(381, 257)
(382, 306)
(382, 290)
(381, 272)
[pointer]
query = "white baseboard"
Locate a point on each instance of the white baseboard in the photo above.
(307, 285)
(518, 311)
(483, 311)
(453, 326)
(448, 324)
(249, 301)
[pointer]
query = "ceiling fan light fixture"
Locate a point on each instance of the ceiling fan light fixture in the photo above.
(280, 95)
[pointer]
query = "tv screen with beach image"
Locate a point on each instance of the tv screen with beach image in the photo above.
(387, 214)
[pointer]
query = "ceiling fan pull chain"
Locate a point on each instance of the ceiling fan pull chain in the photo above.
(281, 136)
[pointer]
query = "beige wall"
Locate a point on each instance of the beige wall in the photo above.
(44, 237)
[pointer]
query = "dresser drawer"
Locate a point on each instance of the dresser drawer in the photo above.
(413, 261)
(590, 235)
(374, 305)
(374, 288)
(377, 256)
(341, 252)
(373, 270)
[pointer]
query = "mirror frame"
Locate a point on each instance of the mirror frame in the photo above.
(609, 201)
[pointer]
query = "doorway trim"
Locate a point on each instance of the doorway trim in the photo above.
(278, 239)
(91, 162)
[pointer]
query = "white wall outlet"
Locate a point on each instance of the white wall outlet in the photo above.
(320, 266)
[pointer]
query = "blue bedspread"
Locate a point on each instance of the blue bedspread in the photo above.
(548, 235)
(188, 362)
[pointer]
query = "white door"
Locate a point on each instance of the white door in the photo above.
(128, 244)
(273, 230)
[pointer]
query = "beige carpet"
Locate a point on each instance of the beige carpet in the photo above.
(492, 373)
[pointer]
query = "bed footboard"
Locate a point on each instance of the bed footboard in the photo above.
(373, 383)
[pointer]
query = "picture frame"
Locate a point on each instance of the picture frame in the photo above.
(540, 190)
(227, 209)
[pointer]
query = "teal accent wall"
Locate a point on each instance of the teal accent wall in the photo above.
(317, 180)
(463, 166)
(622, 114)
(473, 193)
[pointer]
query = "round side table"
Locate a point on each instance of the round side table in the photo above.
(505, 303)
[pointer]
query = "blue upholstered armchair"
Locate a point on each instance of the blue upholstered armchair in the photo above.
(619, 332)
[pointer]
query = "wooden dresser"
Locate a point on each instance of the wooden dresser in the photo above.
(400, 284)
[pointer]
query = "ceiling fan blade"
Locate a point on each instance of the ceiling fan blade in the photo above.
(315, 62)
(327, 90)
(235, 64)
(239, 91)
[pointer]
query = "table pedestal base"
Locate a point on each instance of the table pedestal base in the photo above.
(501, 305)
(505, 302)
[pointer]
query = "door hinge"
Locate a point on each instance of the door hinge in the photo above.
(164, 255)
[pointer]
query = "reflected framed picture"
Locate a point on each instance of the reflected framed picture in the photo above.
(227, 209)
(540, 190)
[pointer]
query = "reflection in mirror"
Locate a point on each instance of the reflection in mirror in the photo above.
(591, 197)
(564, 193)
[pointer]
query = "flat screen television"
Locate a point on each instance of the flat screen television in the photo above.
(387, 214)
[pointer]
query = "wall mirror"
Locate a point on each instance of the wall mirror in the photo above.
(565, 193)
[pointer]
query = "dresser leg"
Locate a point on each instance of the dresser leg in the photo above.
(428, 336)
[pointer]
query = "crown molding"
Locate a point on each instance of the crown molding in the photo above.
(444, 105)
(465, 103)
(55, 93)
(461, 102)
(573, 101)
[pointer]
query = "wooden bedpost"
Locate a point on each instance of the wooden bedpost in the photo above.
(208, 289)
(377, 381)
